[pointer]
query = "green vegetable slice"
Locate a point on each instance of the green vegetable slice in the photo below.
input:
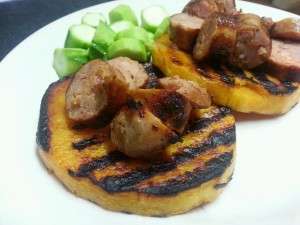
(152, 16)
(121, 25)
(130, 47)
(92, 19)
(79, 36)
(103, 38)
(138, 33)
(68, 60)
(122, 12)
(163, 28)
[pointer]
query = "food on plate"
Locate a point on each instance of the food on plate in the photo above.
(288, 28)
(241, 40)
(251, 91)
(96, 88)
(188, 171)
(203, 8)
(152, 16)
(284, 62)
(191, 90)
(216, 38)
(121, 35)
(93, 18)
(117, 133)
(134, 73)
(184, 30)
(253, 43)
(137, 132)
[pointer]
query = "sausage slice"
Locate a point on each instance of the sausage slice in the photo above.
(96, 87)
(184, 30)
(191, 90)
(134, 73)
(288, 28)
(138, 133)
(217, 37)
(284, 62)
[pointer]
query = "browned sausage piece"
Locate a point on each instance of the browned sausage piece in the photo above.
(96, 87)
(138, 133)
(172, 108)
(284, 62)
(184, 30)
(253, 44)
(288, 28)
(226, 6)
(203, 8)
(217, 37)
(200, 8)
(133, 71)
(191, 90)
(268, 22)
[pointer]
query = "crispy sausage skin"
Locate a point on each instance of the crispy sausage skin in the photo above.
(284, 62)
(184, 30)
(191, 90)
(138, 133)
(172, 108)
(217, 37)
(134, 73)
(288, 28)
(253, 44)
(203, 8)
(96, 87)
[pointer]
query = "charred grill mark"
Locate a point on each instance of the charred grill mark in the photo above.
(84, 143)
(287, 87)
(224, 77)
(79, 127)
(205, 122)
(239, 73)
(226, 137)
(171, 105)
(129, 181)
(153, 74)
(101, 163)
(43, 133)
(213, 169)
(198, 68)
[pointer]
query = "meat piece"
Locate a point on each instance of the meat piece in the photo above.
(284, 62)
(138, 133)
(226, 6)
(253, 44)
(288, 28)
(200, 8)
(184, 30)
(191, 90)
(268, 22)
(96, 87)
(216, 38)
(172, 108)
(133, 71)
(203, 8)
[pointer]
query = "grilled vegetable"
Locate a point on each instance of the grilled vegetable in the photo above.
(184, 175)
(242, 90)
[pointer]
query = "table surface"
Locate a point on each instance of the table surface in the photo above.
(20, 18)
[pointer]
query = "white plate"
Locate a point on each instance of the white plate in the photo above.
(266, 184)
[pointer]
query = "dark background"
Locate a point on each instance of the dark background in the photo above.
(20, 18)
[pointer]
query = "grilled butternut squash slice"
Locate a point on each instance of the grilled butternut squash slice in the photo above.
(186, 174)
(241, 90)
